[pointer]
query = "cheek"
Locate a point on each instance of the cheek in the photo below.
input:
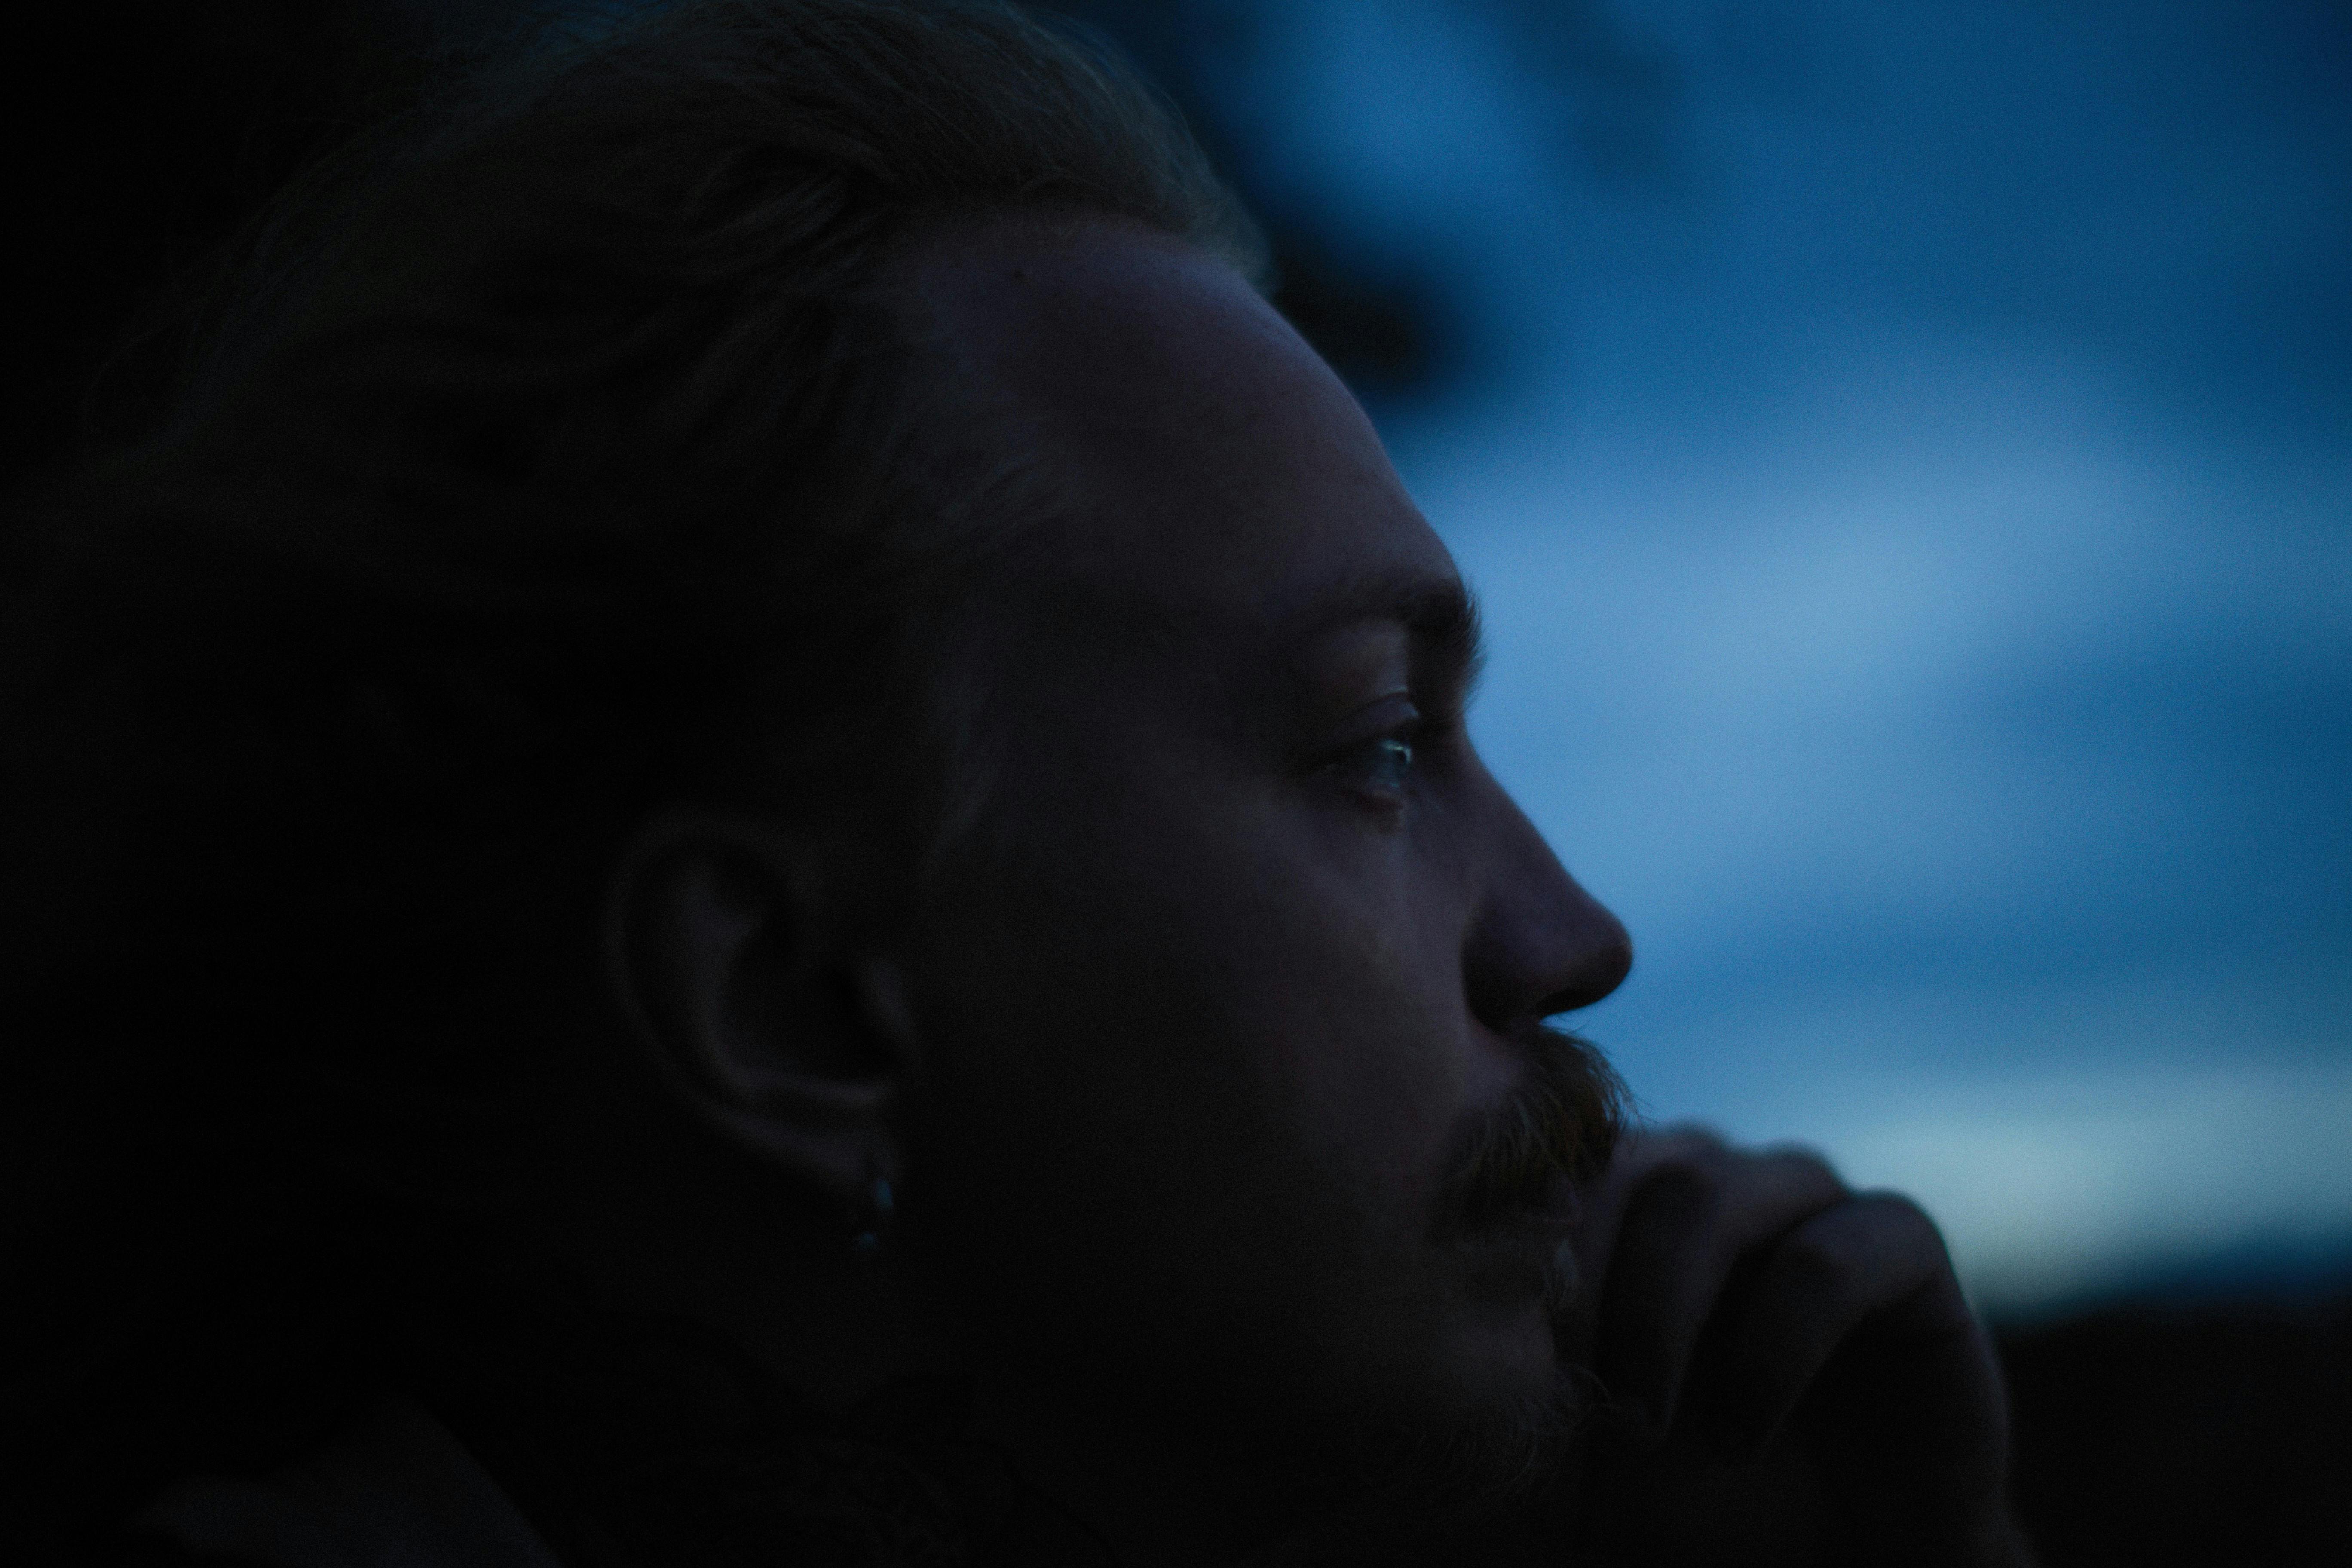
(1200, 1075)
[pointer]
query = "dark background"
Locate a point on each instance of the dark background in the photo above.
(1908, 456)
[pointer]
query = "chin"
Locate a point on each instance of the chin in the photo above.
(1490, 1418)
(1511, 1442)
(1518, 1404)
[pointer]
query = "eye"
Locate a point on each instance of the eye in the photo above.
(1382, 763)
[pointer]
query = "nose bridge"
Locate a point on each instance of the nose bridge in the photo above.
(1537, 944)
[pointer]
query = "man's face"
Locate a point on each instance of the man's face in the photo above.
(1248, 958)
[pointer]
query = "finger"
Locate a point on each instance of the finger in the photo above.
(1638, 1153)
(1602, 1208)
(1812, 1289)
(1685, 1226)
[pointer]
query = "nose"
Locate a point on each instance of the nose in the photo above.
(1537, 942)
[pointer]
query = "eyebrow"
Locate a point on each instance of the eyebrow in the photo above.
(1449, 638)
(1439, 613)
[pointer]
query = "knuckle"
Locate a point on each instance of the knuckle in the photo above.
(1814, 1258)
(1692, 1137)
(1686, 1190)
(1901, 1221)
(1807, 1167)
(1865, 1247)
(1652, 1147)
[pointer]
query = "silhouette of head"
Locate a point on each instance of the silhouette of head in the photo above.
(767, 610)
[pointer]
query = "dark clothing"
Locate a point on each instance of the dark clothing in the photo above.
(397, 1491)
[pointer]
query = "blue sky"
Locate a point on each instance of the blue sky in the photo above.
(1905, 454)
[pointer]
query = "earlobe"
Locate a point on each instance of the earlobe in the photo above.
(720, 947)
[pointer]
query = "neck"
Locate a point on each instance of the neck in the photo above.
(834, 1329)
(792, 1298)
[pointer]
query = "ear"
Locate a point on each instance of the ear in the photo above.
(721, 942)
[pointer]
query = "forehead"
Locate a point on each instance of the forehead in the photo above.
(1215, 471)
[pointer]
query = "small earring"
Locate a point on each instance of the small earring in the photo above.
(868, 1242)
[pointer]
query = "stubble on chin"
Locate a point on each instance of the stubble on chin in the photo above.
(1433, 1480)
(1514, 1175)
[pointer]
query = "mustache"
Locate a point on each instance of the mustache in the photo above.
(1564, 1121)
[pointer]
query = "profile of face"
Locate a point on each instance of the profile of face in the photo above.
(1237, 1116)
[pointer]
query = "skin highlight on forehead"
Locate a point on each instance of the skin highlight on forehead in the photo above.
(1179, 404)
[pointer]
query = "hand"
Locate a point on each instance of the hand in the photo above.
(1785, 1371)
